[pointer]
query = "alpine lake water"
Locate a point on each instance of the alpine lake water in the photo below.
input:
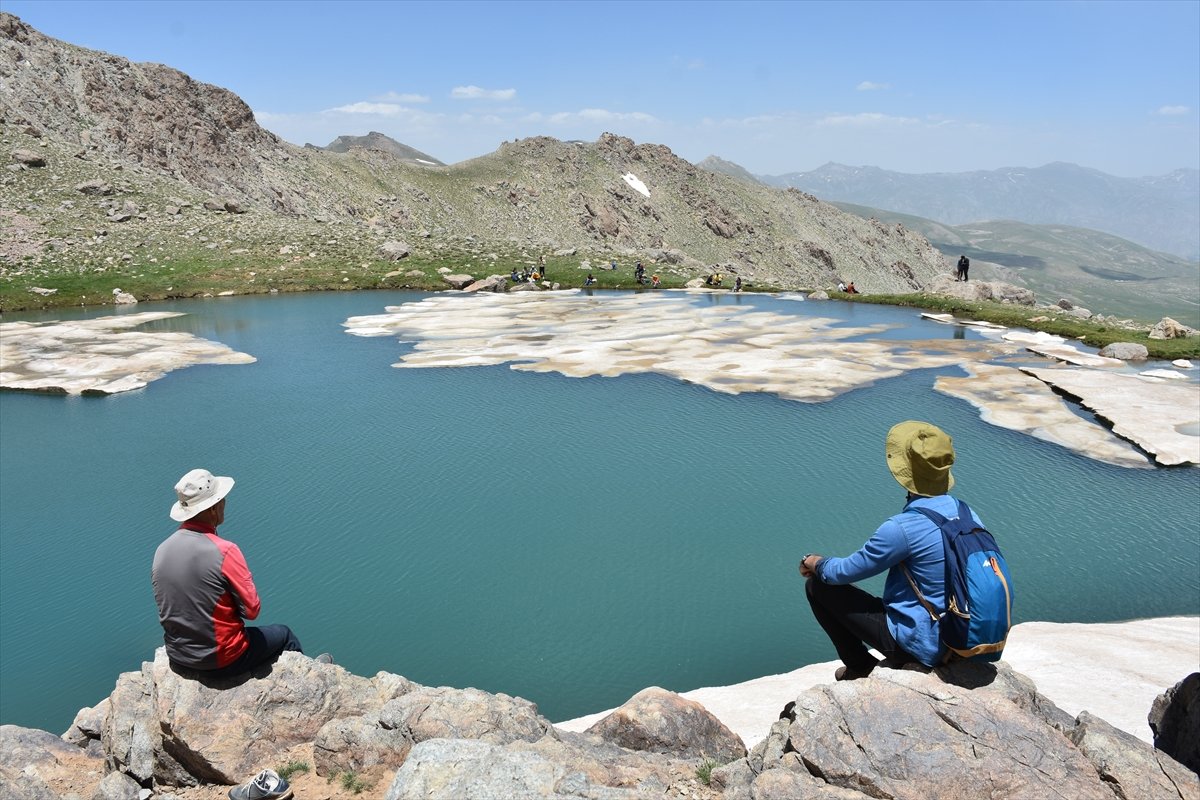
(567, 540)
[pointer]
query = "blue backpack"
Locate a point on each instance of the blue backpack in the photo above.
(978, 588)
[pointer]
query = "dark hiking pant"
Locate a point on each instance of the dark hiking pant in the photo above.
(854, 621)
(266, 643)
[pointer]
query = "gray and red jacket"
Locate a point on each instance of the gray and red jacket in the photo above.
(203, 589)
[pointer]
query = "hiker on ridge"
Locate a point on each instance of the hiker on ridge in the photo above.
(204, 589)
(964, 264)
(919, 456)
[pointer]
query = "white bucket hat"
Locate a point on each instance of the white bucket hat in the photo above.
(197, 491)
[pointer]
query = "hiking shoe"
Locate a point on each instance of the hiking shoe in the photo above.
(847, 674)
(267, 785)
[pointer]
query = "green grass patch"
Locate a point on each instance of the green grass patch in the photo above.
(704, 771)
(291, 768)
(1096, 334)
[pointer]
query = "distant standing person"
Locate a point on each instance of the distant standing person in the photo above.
(964, 264)
(204, 589)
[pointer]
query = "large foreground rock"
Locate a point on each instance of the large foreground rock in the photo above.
(169, 729)
(967, 731)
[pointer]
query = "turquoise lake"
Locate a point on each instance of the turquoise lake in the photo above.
(567, 540)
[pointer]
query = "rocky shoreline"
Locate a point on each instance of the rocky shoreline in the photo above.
(963, 731)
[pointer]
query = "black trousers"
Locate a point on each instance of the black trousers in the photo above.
(854, 620)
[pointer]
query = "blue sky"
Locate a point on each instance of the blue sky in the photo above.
(776, 87)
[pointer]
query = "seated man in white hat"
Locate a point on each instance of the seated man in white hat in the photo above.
(919, 456)
(204, 589)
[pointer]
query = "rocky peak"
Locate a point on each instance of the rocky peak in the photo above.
(380, 141)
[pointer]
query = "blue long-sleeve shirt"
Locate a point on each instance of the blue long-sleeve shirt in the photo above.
(911, 539)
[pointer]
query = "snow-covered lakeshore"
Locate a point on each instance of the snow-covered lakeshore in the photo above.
(1114, 670)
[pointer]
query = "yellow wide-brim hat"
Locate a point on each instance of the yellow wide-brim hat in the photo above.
(919, 455)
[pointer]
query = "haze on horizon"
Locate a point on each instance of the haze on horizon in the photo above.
(775, 87)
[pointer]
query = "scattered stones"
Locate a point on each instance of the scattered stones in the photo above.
(1125, 351)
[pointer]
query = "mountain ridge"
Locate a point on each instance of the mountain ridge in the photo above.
(181, 168)
(1161, 212)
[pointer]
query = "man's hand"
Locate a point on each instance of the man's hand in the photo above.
(808, 563)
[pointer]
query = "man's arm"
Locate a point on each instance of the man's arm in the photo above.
(241, 582)
(885, 549)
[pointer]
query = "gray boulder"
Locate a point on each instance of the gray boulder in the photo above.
(525, 287)
(28, 158)
(1130, 767)
(819, 294)
(394, 250)
(360, 745)
(458, 281)
(95, 188)
(492, 283)
(32, 760)
(1175, 720)
(1126, 351)
(117, 786)
(443, 713)
(559, 765)
(659, 721)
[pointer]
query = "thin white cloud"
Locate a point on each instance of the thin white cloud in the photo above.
(1173, 111)
(380, 109)
(864, 120)
(872, 86)
(478, 93)
(401, 97)
(592, 115)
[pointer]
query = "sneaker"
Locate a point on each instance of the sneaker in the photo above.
(267, 785)
(847, 674)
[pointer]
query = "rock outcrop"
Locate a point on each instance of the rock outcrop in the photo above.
(995, 291)
(1175, 720)
(966, 731)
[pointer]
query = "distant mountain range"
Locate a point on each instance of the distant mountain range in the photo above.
(1096, 270)
(1161, 212)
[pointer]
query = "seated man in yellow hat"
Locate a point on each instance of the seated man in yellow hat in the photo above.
(204, 589)
(919, 456)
